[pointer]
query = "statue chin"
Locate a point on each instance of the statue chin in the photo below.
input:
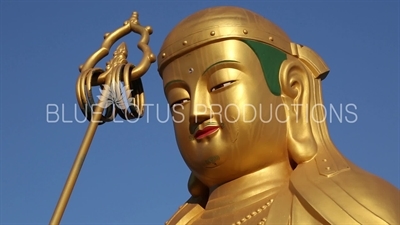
(244, 94)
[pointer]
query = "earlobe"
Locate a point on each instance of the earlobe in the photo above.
(296, 83)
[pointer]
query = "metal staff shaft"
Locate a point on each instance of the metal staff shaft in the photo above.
(76, 166)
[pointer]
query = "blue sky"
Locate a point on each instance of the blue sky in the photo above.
(133, 173)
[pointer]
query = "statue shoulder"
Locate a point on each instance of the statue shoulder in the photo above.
(186, 212)
(349, 196)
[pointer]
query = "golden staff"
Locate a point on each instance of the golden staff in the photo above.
(128, 103)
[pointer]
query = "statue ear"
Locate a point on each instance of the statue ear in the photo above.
(296, 93)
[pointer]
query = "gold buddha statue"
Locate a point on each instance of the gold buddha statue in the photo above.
(245, 99)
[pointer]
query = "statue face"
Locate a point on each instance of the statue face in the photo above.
(227, 122)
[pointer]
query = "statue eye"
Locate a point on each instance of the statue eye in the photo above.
(222, 85)
(179, 103)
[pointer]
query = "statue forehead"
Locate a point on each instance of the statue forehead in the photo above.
(211, 53)
(226, 53)
(216, 24)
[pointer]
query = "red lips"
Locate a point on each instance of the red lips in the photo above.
(206, 131)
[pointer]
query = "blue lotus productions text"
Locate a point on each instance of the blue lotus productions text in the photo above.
(342, 113)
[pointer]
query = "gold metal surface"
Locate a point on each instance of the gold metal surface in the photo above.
(245, 101)
(273, 165)
(118, 72)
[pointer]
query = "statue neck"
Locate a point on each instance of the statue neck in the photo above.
(249, 189)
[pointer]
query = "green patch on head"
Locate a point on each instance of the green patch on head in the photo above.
(270, 59)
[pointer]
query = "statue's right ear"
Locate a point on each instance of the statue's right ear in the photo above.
(296, 91)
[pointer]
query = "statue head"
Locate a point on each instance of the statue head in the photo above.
(240, 93)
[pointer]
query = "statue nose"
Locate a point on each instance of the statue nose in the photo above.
(200, 113)
(200, 110)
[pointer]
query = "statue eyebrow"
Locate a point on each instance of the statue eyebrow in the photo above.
(173, 82)
(219, 62)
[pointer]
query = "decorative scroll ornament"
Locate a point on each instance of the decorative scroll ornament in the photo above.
(121, 87)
